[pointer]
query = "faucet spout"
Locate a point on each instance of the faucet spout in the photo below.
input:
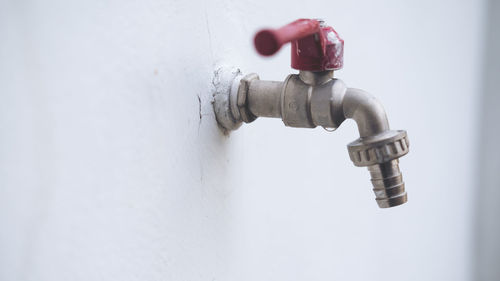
(378, 148)
(366, 110)
(388, 184)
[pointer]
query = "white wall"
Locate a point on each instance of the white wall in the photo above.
(112, 169)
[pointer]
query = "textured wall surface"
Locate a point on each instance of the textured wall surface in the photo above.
(112, 166)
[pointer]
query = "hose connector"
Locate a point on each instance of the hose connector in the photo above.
(380, 153)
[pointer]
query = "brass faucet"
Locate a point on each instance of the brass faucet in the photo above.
(315, 98)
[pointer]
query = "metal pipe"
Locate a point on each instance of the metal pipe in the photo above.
(366, 110)
(264, 98)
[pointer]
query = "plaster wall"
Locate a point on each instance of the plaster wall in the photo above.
(112, 166)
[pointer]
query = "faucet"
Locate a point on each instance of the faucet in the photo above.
(313, 97)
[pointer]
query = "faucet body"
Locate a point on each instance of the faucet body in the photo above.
(310, 99)
(315, 98)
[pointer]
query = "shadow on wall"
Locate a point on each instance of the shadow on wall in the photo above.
(488, 189)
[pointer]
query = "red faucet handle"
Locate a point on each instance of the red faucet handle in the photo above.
(315, 46)
(269, 41)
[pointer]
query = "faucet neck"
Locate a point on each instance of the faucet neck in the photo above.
(315, 77)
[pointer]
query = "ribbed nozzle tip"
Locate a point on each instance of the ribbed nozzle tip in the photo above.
(388, 184)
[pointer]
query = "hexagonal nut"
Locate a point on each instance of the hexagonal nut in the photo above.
(242, 100)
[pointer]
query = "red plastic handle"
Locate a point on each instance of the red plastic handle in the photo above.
(269, 41)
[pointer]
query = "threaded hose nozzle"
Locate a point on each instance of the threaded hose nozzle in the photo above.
(388, 184)
(380, 153)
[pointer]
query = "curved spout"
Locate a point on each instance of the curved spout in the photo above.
(366, 110)
(378, 148)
